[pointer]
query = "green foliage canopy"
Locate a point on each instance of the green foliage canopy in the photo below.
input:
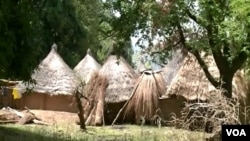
(29, 28)
(219, 28)
(19, 46)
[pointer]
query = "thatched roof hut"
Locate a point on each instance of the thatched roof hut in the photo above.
(173, 66)
(121, 79)
(187, 77)
(86, 67)
(113, 84)
(144, 101)
(53, 78)
(189, 80)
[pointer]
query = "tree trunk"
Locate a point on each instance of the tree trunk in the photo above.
(81, 111)
(227, 85)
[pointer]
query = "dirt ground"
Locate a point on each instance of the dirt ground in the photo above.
(56, 117)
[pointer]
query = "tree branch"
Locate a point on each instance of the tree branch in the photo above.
(241, 58)
(198, 57)
(226, 49)
(193, 17)
(238, 61)
(219, 59)
(205, 69)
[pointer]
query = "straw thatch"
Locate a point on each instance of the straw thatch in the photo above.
(53, 76)
(173, 66)
(190, 81)
(121, 79)
(188, 78)
(86, 67)
(242, 93)
(94, 104)
(144, 101)
(112, 84)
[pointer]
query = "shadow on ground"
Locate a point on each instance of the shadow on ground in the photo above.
(8, 133)
(38, 133)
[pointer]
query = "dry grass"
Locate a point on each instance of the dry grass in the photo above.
(52, 77)
(190, 81)
(121, 79)
(112, 84)
(208, 108)
(209, 116)
(94, 105)
(144, 101)
(86, 67)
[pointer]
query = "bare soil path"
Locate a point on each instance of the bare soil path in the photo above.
(56, 117)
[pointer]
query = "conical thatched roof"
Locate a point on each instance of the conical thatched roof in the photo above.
(173, 66)
(144, 100)
(121, 79)
(86, 67)
(53, 76)
(112, 84)
(188, 78)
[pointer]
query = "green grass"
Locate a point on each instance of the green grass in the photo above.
(10, 132)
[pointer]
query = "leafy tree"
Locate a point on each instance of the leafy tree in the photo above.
(217, 27)
(89, 18)
(29, 28)
(61, 23)
(108, 37)
(19, 46)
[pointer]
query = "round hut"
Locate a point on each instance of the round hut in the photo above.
(87, 67)
(55, 84)
(108, 90)
(188, 83)
(186, 78)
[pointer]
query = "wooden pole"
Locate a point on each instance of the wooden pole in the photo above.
(123, 107)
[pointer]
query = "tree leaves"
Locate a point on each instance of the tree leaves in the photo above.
(29, 28)
(219, 28)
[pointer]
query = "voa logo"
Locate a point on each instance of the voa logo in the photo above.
(236, 132)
